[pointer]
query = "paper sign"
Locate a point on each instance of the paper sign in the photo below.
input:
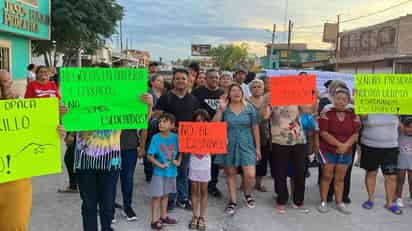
(293, 90)
(321, 77)
(104, 98)
(383, 94)
(30, 145)
(203, 138)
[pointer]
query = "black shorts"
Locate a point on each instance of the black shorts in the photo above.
(385, 158)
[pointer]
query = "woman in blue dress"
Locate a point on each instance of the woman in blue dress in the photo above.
(243, 144)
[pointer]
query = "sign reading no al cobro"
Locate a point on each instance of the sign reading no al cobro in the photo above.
(30, 145)
(104, 98)
(383, 94)
(28, 18)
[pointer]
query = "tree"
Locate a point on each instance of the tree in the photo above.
(227, 57)
(78, 25)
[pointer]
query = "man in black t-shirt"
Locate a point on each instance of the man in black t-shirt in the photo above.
(208, 98)
(182, 105)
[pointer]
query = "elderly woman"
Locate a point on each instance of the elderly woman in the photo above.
(16, 196)
(225, 81)
(257, 89)
(243, 144)
(339, 128)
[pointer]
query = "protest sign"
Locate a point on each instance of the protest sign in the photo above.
(293, 90)
(104, 98)
(321, 77)
(203, 138)
(30, 145)
(383, 94)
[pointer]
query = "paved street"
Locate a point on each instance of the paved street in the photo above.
(53, 211)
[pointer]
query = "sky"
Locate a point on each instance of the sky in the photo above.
(167, 28)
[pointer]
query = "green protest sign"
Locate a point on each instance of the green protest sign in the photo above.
(383, 94)
(30, 145)
(103, 98)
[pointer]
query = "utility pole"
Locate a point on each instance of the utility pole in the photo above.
(337, 45)
(289, 39)
(121, 38)
(271, 46)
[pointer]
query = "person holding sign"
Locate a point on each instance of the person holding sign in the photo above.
(42, 87)
(380, 149)
(16, 196)
(163, 154)
(200, 175)
(288, 144)
(243, 144)
(339, 130)
(257, 89)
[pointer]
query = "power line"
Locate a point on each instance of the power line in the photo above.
(359, 17)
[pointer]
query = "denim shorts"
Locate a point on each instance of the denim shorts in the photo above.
(332, 158)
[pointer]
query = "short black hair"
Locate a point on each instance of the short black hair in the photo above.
(31, 67)
(153, 64)
(180, 70)
(39, 68)
(211, 70)
(406, 120)
(303, 73)
(195, 66)
(203, 113)
(168, 117)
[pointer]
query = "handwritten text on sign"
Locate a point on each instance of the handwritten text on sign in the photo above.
(293, 90)
(383, 94)
(103, 98)
(30, 145)
(203, 138)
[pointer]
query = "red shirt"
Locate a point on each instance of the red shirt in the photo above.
(341, 130)
(36, 90)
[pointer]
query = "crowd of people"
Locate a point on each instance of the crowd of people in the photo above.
(285, 139)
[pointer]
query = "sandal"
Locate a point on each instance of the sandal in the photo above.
(367, 204)
(261, 188)
(168, 221)
(68, 190)
(157, 225)
(193, 223)
(394, 209)
(250, 201)
(230, 209)
(201, 224)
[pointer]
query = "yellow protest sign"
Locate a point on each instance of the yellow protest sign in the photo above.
(383, 94)
(30, 145)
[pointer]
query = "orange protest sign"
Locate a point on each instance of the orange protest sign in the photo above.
(203, 138)
(293, 90)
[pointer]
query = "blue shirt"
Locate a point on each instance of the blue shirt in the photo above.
(164, 151)
(308, 123)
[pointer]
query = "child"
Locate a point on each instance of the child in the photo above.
(200, 175)
(405, 158)
(163, 154)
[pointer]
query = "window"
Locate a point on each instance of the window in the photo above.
(5, 55)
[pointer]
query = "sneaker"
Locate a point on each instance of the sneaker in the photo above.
(342, 208)
(129, 214)
(323, 207)
(114, 221)
(250, 201)
(399, 203)
(184, 204)
(301, 208)
(281, 209)
(347, 200)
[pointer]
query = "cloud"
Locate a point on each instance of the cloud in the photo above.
(168, 28)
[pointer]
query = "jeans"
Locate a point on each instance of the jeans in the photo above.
(281, 155)
(148, 169)
(96, 189)
(129, 160)
(69, 162)
(182, 182)
(215, 175)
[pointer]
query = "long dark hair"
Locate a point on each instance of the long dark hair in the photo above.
(233, 85)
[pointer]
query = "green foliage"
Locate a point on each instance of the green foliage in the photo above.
(228, 57)
(80, 25)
